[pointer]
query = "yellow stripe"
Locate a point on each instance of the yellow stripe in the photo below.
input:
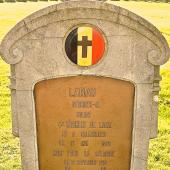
(84, 31)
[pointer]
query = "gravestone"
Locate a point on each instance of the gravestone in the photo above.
(84, 86)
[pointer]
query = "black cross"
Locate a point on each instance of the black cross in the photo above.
(84, 43)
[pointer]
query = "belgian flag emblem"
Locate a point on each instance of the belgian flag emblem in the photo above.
(85, 46)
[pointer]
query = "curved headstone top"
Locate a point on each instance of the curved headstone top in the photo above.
(75, 10)
(60, 53)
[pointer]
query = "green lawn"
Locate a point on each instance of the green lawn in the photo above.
(156, 13)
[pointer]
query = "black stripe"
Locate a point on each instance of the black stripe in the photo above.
(71, 45)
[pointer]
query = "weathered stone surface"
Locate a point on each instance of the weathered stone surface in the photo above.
(135, 49)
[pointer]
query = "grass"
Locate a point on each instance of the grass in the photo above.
(159, 156)
(156, 13)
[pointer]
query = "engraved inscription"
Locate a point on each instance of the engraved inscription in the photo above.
(82, 92)
(85, 123)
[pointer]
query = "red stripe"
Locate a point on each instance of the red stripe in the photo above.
(98, 46)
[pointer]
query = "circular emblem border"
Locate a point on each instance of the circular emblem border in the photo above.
(104, 41)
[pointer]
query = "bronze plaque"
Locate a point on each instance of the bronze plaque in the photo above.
(84, 123)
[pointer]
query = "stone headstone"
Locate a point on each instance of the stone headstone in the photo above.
(84, 86)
